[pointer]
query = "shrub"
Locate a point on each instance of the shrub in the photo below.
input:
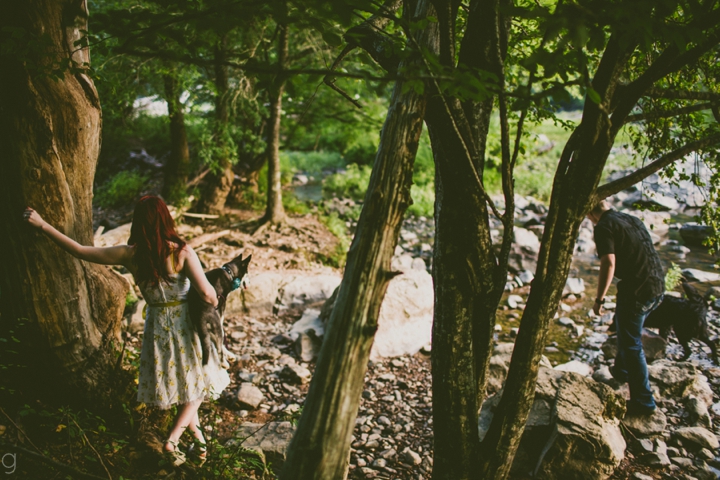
(673, 277)
(352, 183)
(124, 187)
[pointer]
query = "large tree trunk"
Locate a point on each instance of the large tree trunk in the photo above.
(178, 166)
(274, 211)
(219, 183)
(319, 449)
(50, 139)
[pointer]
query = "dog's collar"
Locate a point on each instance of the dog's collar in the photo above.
(228, 271)
(236, 281)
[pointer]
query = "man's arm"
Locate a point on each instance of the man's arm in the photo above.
(607, 272)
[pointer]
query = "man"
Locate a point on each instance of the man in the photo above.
(626, 251)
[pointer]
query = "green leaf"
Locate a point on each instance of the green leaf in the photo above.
(594, 96)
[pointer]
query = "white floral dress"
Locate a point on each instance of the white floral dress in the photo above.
(171, 369)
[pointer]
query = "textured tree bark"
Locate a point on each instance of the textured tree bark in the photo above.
(274, 211)
(178, 166)
(319, 449)
(219, 183)
(50, 139)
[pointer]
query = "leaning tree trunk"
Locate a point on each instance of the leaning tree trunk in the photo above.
(219, 183)
(274, 211)
(319, 449)
(50, 139)
(178, 166)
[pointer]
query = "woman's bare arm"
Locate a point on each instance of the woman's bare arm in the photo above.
(118, 255)
(194, 271)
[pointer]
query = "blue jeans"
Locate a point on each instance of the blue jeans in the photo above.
(630, 364)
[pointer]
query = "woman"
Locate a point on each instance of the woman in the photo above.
(164, 267)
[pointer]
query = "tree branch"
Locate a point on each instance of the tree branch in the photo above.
(620, 184)
(672, 94)
(671, 113)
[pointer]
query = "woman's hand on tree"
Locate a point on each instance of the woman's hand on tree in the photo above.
(33, 218)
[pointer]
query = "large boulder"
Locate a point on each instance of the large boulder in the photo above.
(680, 380)
(405, 322)
(526, 240)
(267, 292)
(572, 431)
(700, 276)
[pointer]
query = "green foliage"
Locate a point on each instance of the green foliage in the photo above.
(122, 188)
(352, 183)
(337, 227)
(673, 277)
(131, 299)
(313, 162)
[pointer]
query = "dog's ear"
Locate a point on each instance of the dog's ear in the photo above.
(246, 261)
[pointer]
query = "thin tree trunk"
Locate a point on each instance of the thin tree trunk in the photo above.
(178, 166)
(274, 211)
(219, 183)
(319, 449)
(50, 139)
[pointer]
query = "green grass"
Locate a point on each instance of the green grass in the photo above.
(123, 188)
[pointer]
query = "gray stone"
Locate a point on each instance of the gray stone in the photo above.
(700, 276)
(134, 321)
(307, 346)
(697, 411)
(654, 459)
(682, 462)
(572, 430)
(680, 380)
(302, 289)
(574, 286)
(409, 457)
(566, 322)
(697, 436)
(526, 240)
(295, 374)
(644, 426)
(575, 366)
(653, 345)
(694, 234)
(269, 440)
(641, 476)
(249, 396)
(514, 300)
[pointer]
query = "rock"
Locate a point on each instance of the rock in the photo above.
(418, 264)
(603, 375)
(646, 426)
(406, 315)
(526, 276)
(526, 240)
(295, 374)
(304, 289)
(258, 299)
(270, 441)
(654, 459)
(500, 364)
(307, 346)
(653, 345)
(641, 476)
(572, 430)
(310, 321)
(575, 366)
(409, 457)
(697, 411)
(697, 436)
(680, 380)
(574, 286)
(712, 292)
(654, 201)
(566, 322)
(694, 234)
(514, 300)
(249, 396)
(700, 276)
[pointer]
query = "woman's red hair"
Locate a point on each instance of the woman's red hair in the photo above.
(152, 232)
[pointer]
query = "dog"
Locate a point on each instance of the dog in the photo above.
(207, 320)
(686, 317)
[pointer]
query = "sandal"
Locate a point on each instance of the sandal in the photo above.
(175, 457)
(198, 453)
